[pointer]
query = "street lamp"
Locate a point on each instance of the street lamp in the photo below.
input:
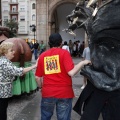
(33, 29)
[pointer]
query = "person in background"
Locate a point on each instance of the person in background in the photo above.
(28, 42)
(85, 56)
(8, 71)
(65, 46)
(70, 44)
(74, 49)
(36, 48)
(53, 75)
(79, 44)
(31, 46)
(42, 47)
(82, 46)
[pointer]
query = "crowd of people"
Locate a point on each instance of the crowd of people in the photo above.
(75, 48)
(37, 48)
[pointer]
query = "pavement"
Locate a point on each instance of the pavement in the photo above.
(27, 107)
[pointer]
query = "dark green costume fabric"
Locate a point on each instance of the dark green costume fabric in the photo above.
(27, 84)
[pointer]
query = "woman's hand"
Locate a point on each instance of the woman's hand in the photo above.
(85, 62)
(37, 62)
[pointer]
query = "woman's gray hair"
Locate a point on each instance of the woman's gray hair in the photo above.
(4, 46)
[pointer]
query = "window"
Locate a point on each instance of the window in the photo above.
(5, 8)
(22, 18)
(14, 18)
(22, 8)
(5, 0)
(33, 17)
(14, 0)
(21, 29)
(5, 18)
(14, 9)
(33, 6)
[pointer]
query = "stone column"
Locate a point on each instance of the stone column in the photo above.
(42, 20)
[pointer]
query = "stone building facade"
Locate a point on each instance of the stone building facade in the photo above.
(45, 17)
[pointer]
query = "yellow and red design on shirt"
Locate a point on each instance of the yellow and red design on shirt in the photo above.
(52, 64)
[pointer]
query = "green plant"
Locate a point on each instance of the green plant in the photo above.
(13, 27)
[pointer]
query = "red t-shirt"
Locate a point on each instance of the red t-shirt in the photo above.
(53, 66)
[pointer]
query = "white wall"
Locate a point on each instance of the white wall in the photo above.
(62, 12)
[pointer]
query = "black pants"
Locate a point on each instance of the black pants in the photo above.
(3, 108)
(97, 101)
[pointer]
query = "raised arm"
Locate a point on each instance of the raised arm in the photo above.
(77, 67)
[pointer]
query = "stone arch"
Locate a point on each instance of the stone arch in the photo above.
(45, 10)
(52, 7)
(56, 4)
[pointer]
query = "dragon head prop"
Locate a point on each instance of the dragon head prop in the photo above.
(102, 25)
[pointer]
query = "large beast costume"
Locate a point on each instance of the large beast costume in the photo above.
(102, 93)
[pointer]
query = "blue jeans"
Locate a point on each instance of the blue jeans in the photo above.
(63, 108)
(41, 51)
(35, 53)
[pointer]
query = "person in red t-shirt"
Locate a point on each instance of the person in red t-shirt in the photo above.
(53, 74)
